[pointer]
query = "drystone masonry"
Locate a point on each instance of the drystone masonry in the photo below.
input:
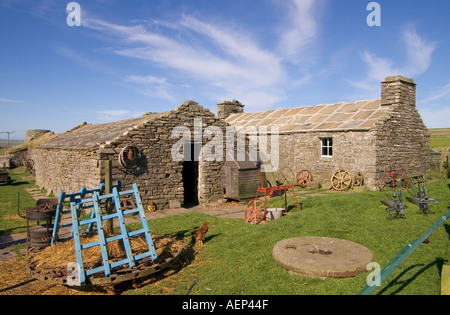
(226, 108)
(368, 137)
(402, 139)
(354, 151)
(78, 158)
(160, 177)
(66, 169)
(35, 133)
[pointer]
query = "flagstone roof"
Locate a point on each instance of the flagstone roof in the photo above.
(361, 115)
(89, 136)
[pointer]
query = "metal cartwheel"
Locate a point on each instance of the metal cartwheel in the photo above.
(303, 177)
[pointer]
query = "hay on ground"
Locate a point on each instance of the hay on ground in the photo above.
(58, 256)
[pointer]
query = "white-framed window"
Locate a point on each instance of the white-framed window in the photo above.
(326, 147)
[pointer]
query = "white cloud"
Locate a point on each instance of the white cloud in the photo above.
(8, 100)
(226, 59)
(417, 61)
(85, 62)
(151, 86)
(301, 28)
(419, 53)
(435, 108)
(442, 93)
(379, 68)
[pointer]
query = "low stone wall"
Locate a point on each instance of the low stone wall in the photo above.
(66, 169)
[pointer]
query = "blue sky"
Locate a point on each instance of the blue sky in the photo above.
(132, 57)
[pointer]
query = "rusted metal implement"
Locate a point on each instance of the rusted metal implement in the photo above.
(394, 178)
(256, 209)
(420, 193)
(40, 236)
(395, 205)
(303, 177)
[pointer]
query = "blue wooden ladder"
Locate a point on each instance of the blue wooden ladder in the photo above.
(81, 202)
(97, 217)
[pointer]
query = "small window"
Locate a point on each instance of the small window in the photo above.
(327, 147)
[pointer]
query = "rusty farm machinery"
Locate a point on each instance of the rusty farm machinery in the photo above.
(420, 193)
(394, 181)
(256, 210)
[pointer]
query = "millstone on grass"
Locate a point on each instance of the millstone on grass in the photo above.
(322, 257)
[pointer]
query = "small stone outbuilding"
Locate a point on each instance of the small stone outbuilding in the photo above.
(77, 158)
(365, 137)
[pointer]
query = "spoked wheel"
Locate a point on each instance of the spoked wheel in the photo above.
(255, 211)
(285, 176)
(303, 177)
(341, 180)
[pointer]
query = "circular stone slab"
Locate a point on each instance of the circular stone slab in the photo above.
(322, 257)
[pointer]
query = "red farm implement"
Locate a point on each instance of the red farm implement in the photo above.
(256, 209)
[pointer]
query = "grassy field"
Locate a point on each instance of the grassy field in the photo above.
(4, 144)
(236, 258)
(10, 221)
(440, 138)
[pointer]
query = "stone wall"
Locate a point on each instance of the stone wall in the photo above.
(35, 133)
(403, 140)
(227, 108)
(158, 175)
(66, 169)
(353, 151)
(398, 141)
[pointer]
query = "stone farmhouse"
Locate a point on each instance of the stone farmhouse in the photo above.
(140, 151)
(176, 158)
(366, 137)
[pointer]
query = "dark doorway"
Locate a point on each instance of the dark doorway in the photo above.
(190, 174)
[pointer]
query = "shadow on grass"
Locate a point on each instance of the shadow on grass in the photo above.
(8, 232)
(20, 183)
(402, 283)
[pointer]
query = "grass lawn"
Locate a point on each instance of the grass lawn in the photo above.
(237, 257)
(440, 138)
(10, 221)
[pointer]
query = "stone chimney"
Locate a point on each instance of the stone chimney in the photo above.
(398, 90)
(227, 108)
